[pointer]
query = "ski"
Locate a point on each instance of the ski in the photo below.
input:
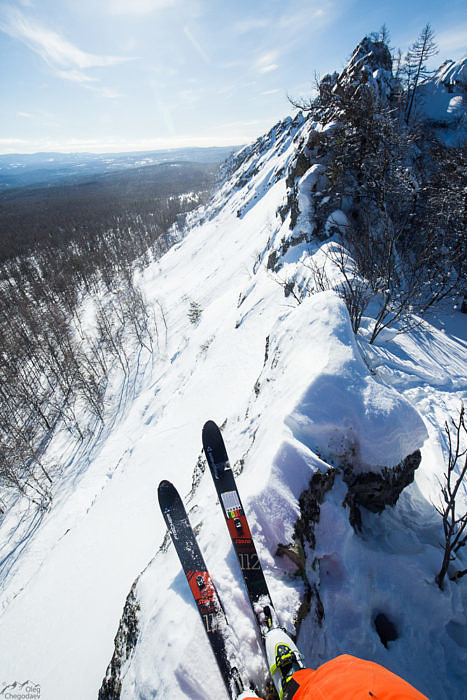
(237, 524)
(201, 585)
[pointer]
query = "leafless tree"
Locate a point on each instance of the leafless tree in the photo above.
(384, 34)
(454, 525)
(415, 64)
(353, 288)
(306, 104)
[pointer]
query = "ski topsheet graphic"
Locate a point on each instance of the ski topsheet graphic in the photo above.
(201, 585)
(239, 530)
(232, 505)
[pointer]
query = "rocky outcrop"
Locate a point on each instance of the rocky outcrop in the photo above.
(299, 166)
(125, 642)
(374, 54)
(310, 501)
(375, 491)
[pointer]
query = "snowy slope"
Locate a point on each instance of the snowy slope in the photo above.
(297, 394)
(443, 101)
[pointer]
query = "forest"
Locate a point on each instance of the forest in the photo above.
(59, 245)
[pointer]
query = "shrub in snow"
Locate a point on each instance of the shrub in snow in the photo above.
(454, 525)
(194, 312)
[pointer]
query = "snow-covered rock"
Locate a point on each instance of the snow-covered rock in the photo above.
(443, 102)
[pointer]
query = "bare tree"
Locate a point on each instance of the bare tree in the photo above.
(406, 230)
(306, 104)
(416, 69)
(454, 525)
(384, 34)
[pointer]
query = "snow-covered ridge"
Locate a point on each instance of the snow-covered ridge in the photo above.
(297, 394)
(287, 421)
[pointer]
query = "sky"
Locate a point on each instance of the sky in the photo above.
(128, 75)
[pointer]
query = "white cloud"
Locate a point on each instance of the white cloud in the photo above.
(271, 92)
(76, 76)
(267, 57)
(196, 45)
(266, 63)
(232, 133)
(312, 17)
(138, 7)
(67, 60)
(24, 115)
(226, 90)
(250, 25)
(268, 68)
(241, 123)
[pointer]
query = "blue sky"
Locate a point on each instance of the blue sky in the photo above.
(123, 75)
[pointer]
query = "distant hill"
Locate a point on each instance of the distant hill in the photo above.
(38, 215)
(45, 169)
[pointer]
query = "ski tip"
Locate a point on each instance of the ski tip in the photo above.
(164, 484)
(209, 426)
(166, 491)
(214, 448)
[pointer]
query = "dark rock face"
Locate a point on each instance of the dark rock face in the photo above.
(310, 501)
(125, 641)
(298, 168)
(272, 260)
(325, 87)
(375, 54)
(376, 491)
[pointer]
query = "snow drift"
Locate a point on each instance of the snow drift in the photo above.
(343, 414)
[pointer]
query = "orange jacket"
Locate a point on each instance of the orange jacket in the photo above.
(349, 678)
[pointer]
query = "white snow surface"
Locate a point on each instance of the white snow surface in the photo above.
(295, 392)
(443, 100)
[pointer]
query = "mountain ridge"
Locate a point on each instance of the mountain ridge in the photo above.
(302, 398)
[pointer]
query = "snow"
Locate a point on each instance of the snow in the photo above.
(336, 221)
(296, 392)
(443, 101)
(313, 179)
(343, 413)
